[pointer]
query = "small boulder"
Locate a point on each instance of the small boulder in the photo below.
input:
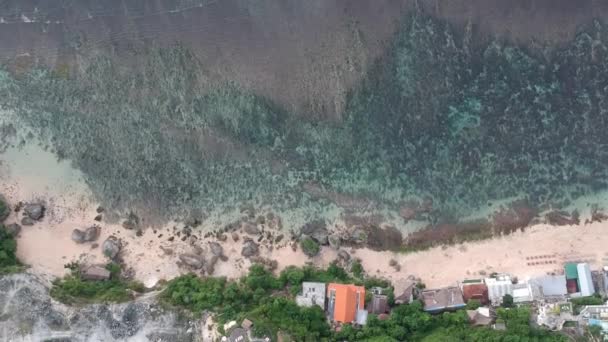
(111, 247)
(192, 260)
(98, 218)
(216, 249)
(92, 233)
(26, 221)
(235, 237)
(34, 211)
(250, 248)
(78, 236)
(13, 229)
(343, 255)
(210, 266)
(250, 228)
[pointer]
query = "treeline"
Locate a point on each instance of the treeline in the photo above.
(268, 301)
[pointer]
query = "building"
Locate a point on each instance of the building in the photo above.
(312, 294)
(571, 273)
(378, 304)
(238, 335)
(551, 286)
(405, 291)
(498, 287)
(475, 289)
(596, 315)
(585, 281)
(444, 299)
(525, 292)
(247, 324)
(554, 315)
(346, 303)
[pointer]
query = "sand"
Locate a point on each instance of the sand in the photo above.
(30, 173)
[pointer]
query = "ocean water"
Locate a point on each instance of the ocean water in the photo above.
(460, 123)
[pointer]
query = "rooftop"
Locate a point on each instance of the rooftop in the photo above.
(442, 299)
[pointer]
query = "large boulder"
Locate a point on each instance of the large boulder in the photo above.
(334, 241)
(210, 266)
(78, 236)
(13, 229)
(111, 247)
(250, 249)
(92, 233)
(316, 230)
(192, 260)
(251, 228)
(96, 273)
(216, 249)
(26, 221)
(34, 211)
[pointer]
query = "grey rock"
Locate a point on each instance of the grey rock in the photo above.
(334, 241)
(192, 260)
(251, 229)
(92, 233)
(216, 249)
(78, 236)
(13, 229)
(343, 255)
(26, 221)
(316, 230)
(250, 249)
(35, 211)
(111, 247)
(210, 266)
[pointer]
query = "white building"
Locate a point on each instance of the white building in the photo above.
(498, 287)
(526, 292)
(585, 280)
(312, 294)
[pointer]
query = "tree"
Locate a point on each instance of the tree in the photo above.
(507, 301)
(310, 247)
(473, 304)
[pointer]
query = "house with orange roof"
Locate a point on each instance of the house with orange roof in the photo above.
(346, 303)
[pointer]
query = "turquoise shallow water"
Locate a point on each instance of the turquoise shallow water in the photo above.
(441, 117)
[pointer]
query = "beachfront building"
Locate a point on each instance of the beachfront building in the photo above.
(498, 287)
(585, 281)
(571, 273)
(525, 292)
(378, 304)
(595, 315)
(405, 291)
(312, 294)
(444, 299)
(481, 317)
(551, 286)
(346, 303)
(475, 289)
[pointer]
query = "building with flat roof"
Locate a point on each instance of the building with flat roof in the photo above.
(378, 304)
(525, 292)
(312, 294)
(498, 287)
(444, 299)
(344, 302)
(585, 281)
(552, 285)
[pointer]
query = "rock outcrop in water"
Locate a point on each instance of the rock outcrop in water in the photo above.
(28, 313)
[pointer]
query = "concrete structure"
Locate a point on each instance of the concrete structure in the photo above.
(554, 315)
(480, 317)
(238, 335)
(438, 300)
(596, 315)
(404, 292)
(475, 290)
(312, 294)
(585, 281)
(247, 324)
(95, 273)
(378, 304)
(344, 302)
(525, 292)
(498, 287)
(551, 286)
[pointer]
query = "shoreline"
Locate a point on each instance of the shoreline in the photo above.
(153, 255)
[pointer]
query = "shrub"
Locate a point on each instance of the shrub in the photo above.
(73, 289)
(8, 248)
(310, 247)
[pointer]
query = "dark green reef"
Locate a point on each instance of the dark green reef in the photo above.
(442, 114)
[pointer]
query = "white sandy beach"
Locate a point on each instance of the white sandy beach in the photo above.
(47, 246)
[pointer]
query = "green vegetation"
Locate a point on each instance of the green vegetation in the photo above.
(507, 301)
(8, 248)
(268, 301)
(579, 303)
(473, 304)
(4, 210)
(73, 289)
(310, 247)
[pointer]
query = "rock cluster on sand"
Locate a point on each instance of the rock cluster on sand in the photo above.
(192, 260)
(90, 234)
(32, 212)
(250, 248)
(13, 229)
